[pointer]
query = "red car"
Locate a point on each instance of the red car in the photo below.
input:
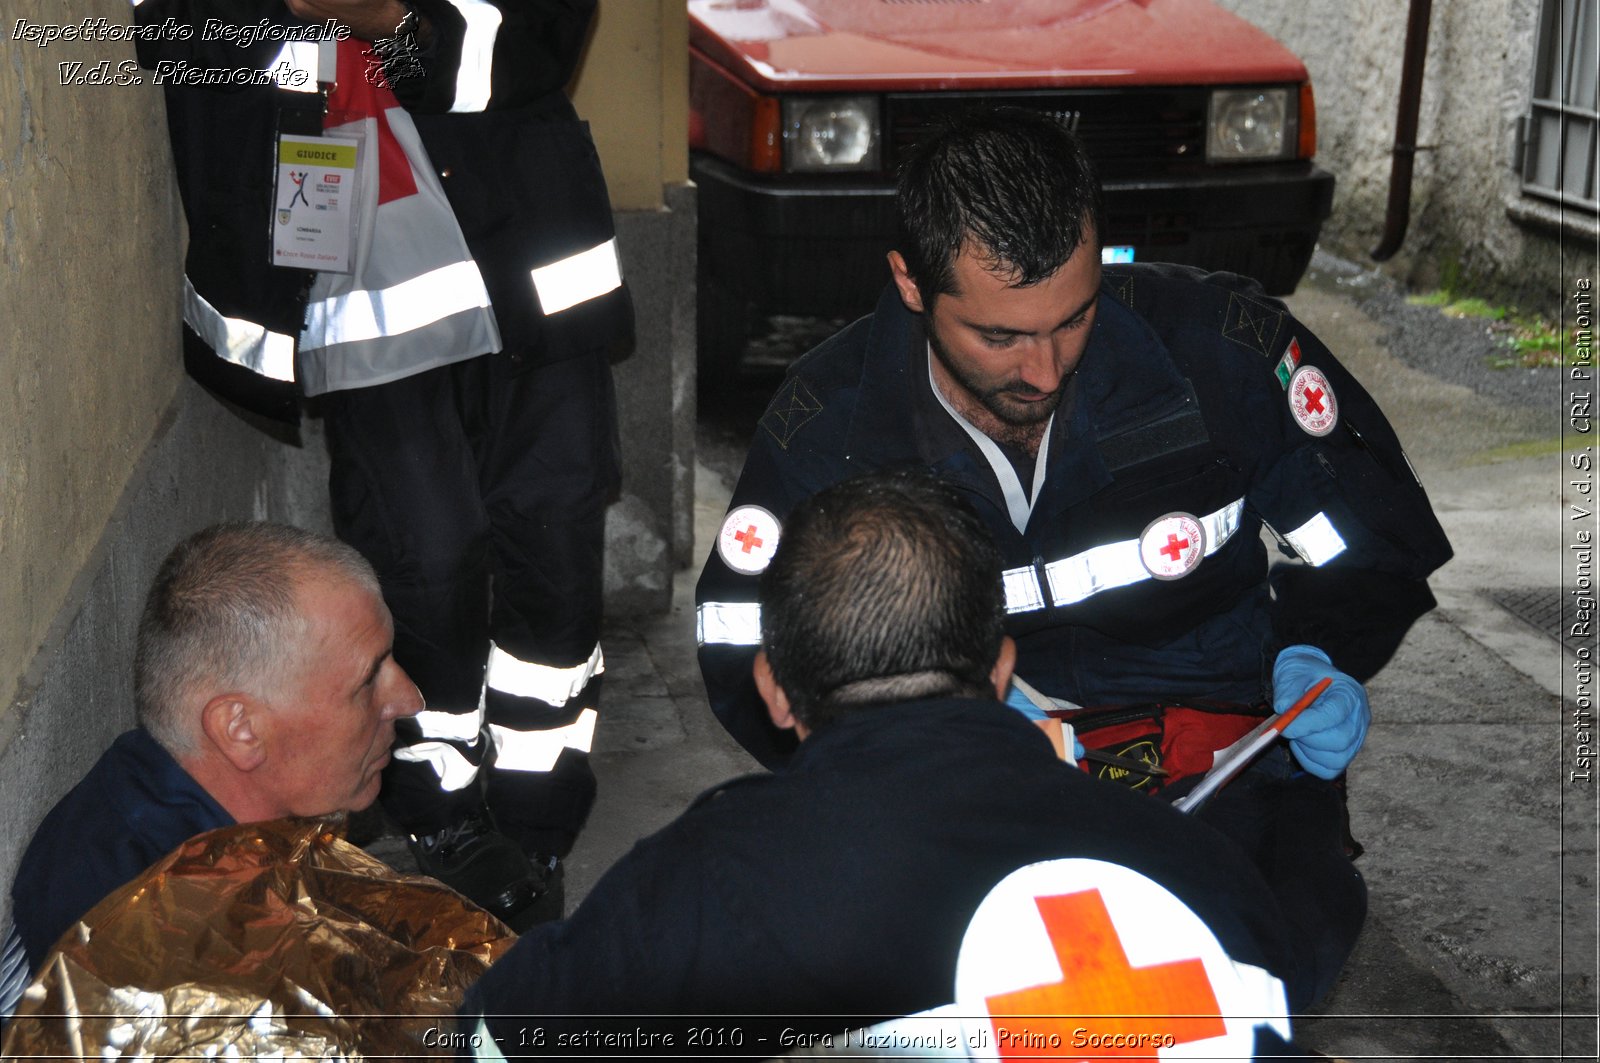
(1202, 128)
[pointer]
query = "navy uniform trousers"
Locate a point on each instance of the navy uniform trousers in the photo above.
(478, 492)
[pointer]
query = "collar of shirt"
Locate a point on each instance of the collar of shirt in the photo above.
(1126, 378)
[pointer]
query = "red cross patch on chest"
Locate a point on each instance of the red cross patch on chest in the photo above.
(1171, 546)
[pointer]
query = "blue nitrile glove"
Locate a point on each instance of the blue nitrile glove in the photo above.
(1326, 737)
(1024, 704)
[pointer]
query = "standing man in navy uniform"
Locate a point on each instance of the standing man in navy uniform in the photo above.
(462, 366)
(1125, 433)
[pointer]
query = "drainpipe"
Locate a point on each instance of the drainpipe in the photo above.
(1398, 215)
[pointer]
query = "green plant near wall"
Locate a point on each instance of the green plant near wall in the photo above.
(1528, 340)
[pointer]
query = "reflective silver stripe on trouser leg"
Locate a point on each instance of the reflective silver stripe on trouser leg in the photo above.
(537, 750)
(451, 743)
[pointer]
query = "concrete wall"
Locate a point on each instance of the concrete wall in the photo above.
(108, 456)
(1470, 223)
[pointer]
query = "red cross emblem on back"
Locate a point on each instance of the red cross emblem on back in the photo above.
(1101, 993)
(1175, 546)
(748, 539)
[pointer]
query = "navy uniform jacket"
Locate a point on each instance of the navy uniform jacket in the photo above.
(842, 885)
(1181, 405)
(134, 807)
(518, 166)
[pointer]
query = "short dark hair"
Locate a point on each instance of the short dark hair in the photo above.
(1014, 184)
(884, 588)
(222, 610)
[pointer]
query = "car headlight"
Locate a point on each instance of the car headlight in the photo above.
(1250, 124)
(830, 133)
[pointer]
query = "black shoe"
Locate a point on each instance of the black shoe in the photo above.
(550, 876)
(473, 858)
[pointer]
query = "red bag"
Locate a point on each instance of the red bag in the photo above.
(1180, 738)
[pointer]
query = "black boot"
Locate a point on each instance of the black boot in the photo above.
(473, 858)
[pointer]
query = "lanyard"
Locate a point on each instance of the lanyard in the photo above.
(1019, 505)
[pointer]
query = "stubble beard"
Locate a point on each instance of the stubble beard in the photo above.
(1010, 421)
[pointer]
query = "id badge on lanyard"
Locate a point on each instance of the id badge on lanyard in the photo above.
(316, 189)
(314, 220)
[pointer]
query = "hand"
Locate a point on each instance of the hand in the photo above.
(370, 20)
(1326, 736)
(1016, 699)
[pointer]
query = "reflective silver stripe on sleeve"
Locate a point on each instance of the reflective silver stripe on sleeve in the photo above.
(728, 624)
(1104, 568)
(400, 308)
(538, 750)
(1316, 541)
(13, 971)
(455, 771)
(241, 342)
(554, 686)
(458, 726)
(1023, 593)
(474, 75)
(578, 278)
(297, 56)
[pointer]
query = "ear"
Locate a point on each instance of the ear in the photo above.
(910, 294)
(778, 710)
(232, 724)
(1004, 665)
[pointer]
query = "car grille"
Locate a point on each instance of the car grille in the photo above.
(1127, 132)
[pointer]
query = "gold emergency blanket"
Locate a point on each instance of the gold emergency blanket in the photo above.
(272, 940)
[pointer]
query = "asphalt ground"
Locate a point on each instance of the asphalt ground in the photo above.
(1480, 859)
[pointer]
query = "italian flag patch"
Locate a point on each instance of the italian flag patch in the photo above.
(1288, 363)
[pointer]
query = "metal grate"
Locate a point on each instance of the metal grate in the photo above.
(1538, 607)
(1560, 146)
(1144, 132)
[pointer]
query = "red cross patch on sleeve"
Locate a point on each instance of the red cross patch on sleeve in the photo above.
(748, 539)
(1311, 401)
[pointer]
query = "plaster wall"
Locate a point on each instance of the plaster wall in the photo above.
(633, 88)
(77, 693)
(1470, 226)
(89, 274)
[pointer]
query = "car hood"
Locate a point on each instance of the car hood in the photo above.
(842, 45)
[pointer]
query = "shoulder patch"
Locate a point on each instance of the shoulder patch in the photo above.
(791, 408)
(748, 539)
(1311, 401)
(1121, 286)
(1289, 362)
(1252, 323)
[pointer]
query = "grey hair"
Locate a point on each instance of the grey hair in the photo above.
(221, 614)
